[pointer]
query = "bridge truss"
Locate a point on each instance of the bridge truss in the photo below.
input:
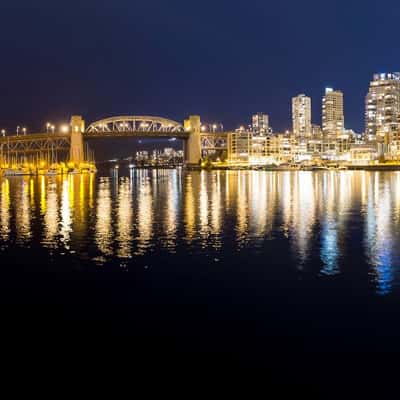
(34, 144)
(135, 126)
(212, 143)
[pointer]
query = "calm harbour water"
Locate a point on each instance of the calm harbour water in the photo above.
(292, 225)
(187, 273)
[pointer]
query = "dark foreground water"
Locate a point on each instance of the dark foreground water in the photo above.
(296, 274)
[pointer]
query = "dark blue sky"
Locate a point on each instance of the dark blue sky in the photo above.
(221, 59)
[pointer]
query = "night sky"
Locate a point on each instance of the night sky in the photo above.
(221, 59)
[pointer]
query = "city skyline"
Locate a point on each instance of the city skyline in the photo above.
(313, 108)
(117, 63)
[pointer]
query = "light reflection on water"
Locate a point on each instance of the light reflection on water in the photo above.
(325, 222)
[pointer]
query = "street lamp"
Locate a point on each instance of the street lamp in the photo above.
(24, 131)
(48, 126)
(65, 129)
(52, 129)
(3, 132)
(18, 130)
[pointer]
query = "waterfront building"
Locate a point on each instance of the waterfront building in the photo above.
(239, 146)
(286, 147)
(245, 147)
(301, 116)
(382, 115)
(260, 124)
(363, 153)
(315, 147)
(332, 113)
(258, 149)
(382, 104)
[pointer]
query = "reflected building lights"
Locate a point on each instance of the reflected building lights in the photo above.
(258, 206)
(316, 219)
(66, 211)
(145, 216)
(5, 209)
(303, 215)
(203, 208)
(42, 191)
(242, 209)
(171, 211)
(124, 219)
(379, 241)
(285, 201)
(23, 212)
(329, 229)
(216, 205)
(190, 210)
(51, 217)
(104, 235)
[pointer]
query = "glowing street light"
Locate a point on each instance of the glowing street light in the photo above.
(3, 132)
(24, 131)
(64, 128)
(52, 127)
(18, 128)
(48, 126)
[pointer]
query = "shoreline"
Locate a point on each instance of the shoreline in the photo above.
(389, 168)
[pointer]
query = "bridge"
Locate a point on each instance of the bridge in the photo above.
(136, 126)
(196, 143)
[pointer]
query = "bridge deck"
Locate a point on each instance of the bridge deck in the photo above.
(33, 137)
(93, 135)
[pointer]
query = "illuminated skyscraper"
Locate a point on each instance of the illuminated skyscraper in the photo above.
(260, 124)
(301, 115)
(382, 105)
(332, 113)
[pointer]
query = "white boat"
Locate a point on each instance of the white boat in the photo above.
(52, 172)
(16, 171)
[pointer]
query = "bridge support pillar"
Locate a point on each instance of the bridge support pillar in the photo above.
(193, 143)
(77, 154)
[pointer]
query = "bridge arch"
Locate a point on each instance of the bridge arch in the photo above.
(142, 124)
(150, 126)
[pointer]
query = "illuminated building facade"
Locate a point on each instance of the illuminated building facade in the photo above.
(382, 104)
(239, 146)
(301, 116)
(316, 131)
(260, 124)
(332, 113)
(382, 114)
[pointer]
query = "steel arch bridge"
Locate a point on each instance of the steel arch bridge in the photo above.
(136, 126)
(114, 127)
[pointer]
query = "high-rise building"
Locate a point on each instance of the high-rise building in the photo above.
(260, 124)
(301, 115)
(332, 113)
(382, 105)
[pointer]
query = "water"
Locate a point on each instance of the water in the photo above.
(221, 267)
(294, 225)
